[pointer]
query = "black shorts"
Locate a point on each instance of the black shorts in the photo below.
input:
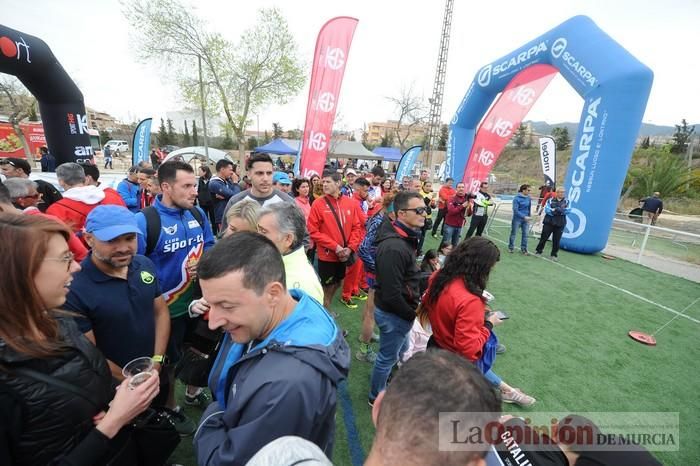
(331, 272)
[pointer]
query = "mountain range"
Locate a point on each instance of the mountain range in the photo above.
(647, 129)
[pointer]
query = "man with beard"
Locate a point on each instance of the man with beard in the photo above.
(117, 294)
(174, 234)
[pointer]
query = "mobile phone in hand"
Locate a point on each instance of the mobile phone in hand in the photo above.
(502, 315)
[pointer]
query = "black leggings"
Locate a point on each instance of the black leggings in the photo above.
(478, 223)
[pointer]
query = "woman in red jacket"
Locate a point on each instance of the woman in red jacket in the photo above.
(457, 309)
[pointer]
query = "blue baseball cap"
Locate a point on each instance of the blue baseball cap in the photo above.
(281, 178)
(107, 222)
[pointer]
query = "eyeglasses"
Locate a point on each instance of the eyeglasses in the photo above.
(32, 196)
(418, 210)
(68, 259)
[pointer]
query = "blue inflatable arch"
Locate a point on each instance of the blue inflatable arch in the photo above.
(615, 87)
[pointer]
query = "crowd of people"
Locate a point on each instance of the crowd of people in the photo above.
(228, 285)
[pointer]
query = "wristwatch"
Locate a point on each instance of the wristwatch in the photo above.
(160, 359)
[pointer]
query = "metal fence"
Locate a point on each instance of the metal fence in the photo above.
(665, 249)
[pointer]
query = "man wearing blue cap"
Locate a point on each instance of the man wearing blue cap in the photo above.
(117, 293)
(281, 181)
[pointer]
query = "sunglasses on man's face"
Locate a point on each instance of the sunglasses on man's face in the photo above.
(418, 210)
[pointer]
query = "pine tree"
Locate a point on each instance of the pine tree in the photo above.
(276, 130)
(645, 143)
(442, 139)
(163, 139)
(227, 142)
(681, 137)
(266, 137)
(562, 141)
(186, 141)
(195, 138)
(520, 137)
(172, 137)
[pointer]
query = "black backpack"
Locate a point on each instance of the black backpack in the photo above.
(153, 226)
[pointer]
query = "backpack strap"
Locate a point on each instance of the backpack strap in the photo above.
(152, 228)
(197, 214)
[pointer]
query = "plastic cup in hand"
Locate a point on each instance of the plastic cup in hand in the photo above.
(138, 371)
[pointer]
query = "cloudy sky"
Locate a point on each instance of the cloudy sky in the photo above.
(396, 43)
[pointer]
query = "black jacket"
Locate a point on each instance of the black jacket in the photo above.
(398, 275)
(42, 424)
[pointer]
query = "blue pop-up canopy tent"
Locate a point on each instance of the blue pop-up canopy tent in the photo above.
(389, 154)
(277, 146)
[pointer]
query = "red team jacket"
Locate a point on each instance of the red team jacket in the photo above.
(323, 228)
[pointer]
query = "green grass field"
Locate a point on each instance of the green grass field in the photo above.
(567, 346)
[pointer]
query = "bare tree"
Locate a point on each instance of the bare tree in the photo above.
(261, 68)
(411, 112)
(18, 104)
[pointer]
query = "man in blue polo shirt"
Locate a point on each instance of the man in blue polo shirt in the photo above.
(117, 292)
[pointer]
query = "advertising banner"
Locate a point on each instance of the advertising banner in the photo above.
(330, 58)
(548, 152)
(503, 120)
(141, 142)
(408, 161)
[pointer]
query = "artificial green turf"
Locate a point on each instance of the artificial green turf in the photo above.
(568, 345)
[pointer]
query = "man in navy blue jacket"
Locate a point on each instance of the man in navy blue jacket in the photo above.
(280, 362)
(522, 206)
(222, 188)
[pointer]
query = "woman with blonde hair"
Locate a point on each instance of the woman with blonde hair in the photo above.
(43, 354)
(242, 216)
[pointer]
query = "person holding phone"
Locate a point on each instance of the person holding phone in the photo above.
(456, 309)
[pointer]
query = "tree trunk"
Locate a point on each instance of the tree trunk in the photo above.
(626, 194)
(241, 149)
(25, 146)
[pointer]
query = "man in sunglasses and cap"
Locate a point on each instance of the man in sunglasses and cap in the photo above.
(13, 167)
(397, 288)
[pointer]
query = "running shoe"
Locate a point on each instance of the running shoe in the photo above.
(348, 303)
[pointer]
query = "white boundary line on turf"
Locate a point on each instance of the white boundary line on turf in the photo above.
(615, 287)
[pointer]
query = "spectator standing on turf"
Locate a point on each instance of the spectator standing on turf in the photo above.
(260, 171)
(78, 198)
(378, 178)
(128, 189)
(456, 308)
(281, 359)
(334, 227)
(480, 216)
(348, 185)
(457, 209)
(554, 222)
(426, 192)
(368, 254)
(652, 207)
(222, 187)
(181, 237)
(117, 295)
(355, 285)
(445, 193)
(522, 209)
(204, 196)
(285, 226)
(398, 290)
(13, 167)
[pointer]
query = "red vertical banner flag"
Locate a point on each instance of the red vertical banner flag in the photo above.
(503, 120)
(330, 58)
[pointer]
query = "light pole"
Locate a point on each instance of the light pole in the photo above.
(204, 116)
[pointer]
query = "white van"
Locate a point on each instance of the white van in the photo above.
(117, 145)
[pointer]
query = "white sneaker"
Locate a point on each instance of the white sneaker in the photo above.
(515, 396)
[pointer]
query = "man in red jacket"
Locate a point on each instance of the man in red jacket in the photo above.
(446, 193)
(456, 212)
(354, 284)
(78, 198)
(334, 227)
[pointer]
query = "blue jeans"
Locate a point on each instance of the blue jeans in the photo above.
(452, 235)
(493, 378)
(514, 225)
(393, 341)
